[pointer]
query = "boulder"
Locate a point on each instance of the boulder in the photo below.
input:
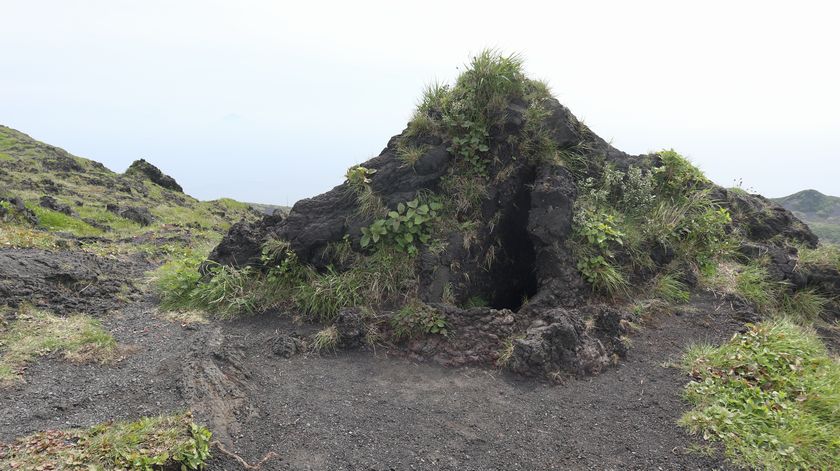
(141, 168)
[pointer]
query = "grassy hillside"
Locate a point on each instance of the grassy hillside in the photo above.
(86, 200)
(821, 212)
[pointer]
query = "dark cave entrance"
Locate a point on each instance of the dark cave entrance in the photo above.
(513, 277)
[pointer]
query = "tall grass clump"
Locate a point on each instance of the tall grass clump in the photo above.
(770, 396)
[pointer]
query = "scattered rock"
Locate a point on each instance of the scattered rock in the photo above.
(139, 215)
(287, 345)
(21, 211)
(50, 203)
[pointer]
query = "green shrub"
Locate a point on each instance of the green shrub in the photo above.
(176, 280)
(805, 305)
(326, 294)
(468, 110)
(326, 339)
(409, 155)
(771, 396)
(677, 176)
(228, 291)
(225, 292)
(597, 235)
(825, 255)
(602, 275)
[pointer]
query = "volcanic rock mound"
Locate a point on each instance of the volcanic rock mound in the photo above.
(506, 178)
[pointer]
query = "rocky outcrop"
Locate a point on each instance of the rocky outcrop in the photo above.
(763, 220)
(507, 246)
(141, 168)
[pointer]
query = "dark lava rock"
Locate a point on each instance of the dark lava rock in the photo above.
(287, 346)
(242, 245)
(61, 161)
(21, 211)
(50, 203)
(66, 282)
(139, 215)
(146, 170)
(762, 219)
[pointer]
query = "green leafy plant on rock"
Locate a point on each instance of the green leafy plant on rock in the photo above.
(599, 235)
(405, 227)
(418, 319)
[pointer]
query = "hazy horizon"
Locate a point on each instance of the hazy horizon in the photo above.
(259, 105)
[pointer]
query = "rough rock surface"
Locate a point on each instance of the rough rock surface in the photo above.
(66, 282)
(763, 219)
(137, 214)
(144, 169)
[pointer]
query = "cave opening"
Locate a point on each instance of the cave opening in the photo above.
(514, 278)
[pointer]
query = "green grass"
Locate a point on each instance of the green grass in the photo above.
(34, 333)
(99, 214)
(805, 305)
(409, 155)
(669, 288)
(59, 222)
(770, 396)
(151, 443)
(754, 285)
(825, 255)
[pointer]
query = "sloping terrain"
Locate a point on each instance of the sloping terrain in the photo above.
(821, 212)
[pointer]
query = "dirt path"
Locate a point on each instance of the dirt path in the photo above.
(366, 411)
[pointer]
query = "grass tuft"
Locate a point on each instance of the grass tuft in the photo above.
(669, 288)
(325, 339)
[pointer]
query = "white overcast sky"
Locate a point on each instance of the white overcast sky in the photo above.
(271, 101)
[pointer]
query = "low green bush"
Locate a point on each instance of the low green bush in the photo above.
(770, 395)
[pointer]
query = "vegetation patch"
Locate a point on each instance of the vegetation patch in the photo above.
(383, 277)
(771, 396)
(15, 236)
(55, 221)
(622, 218)
(34, 333)
(151, 443)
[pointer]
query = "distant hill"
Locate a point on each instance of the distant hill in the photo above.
(66, 195)
(821, 212)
